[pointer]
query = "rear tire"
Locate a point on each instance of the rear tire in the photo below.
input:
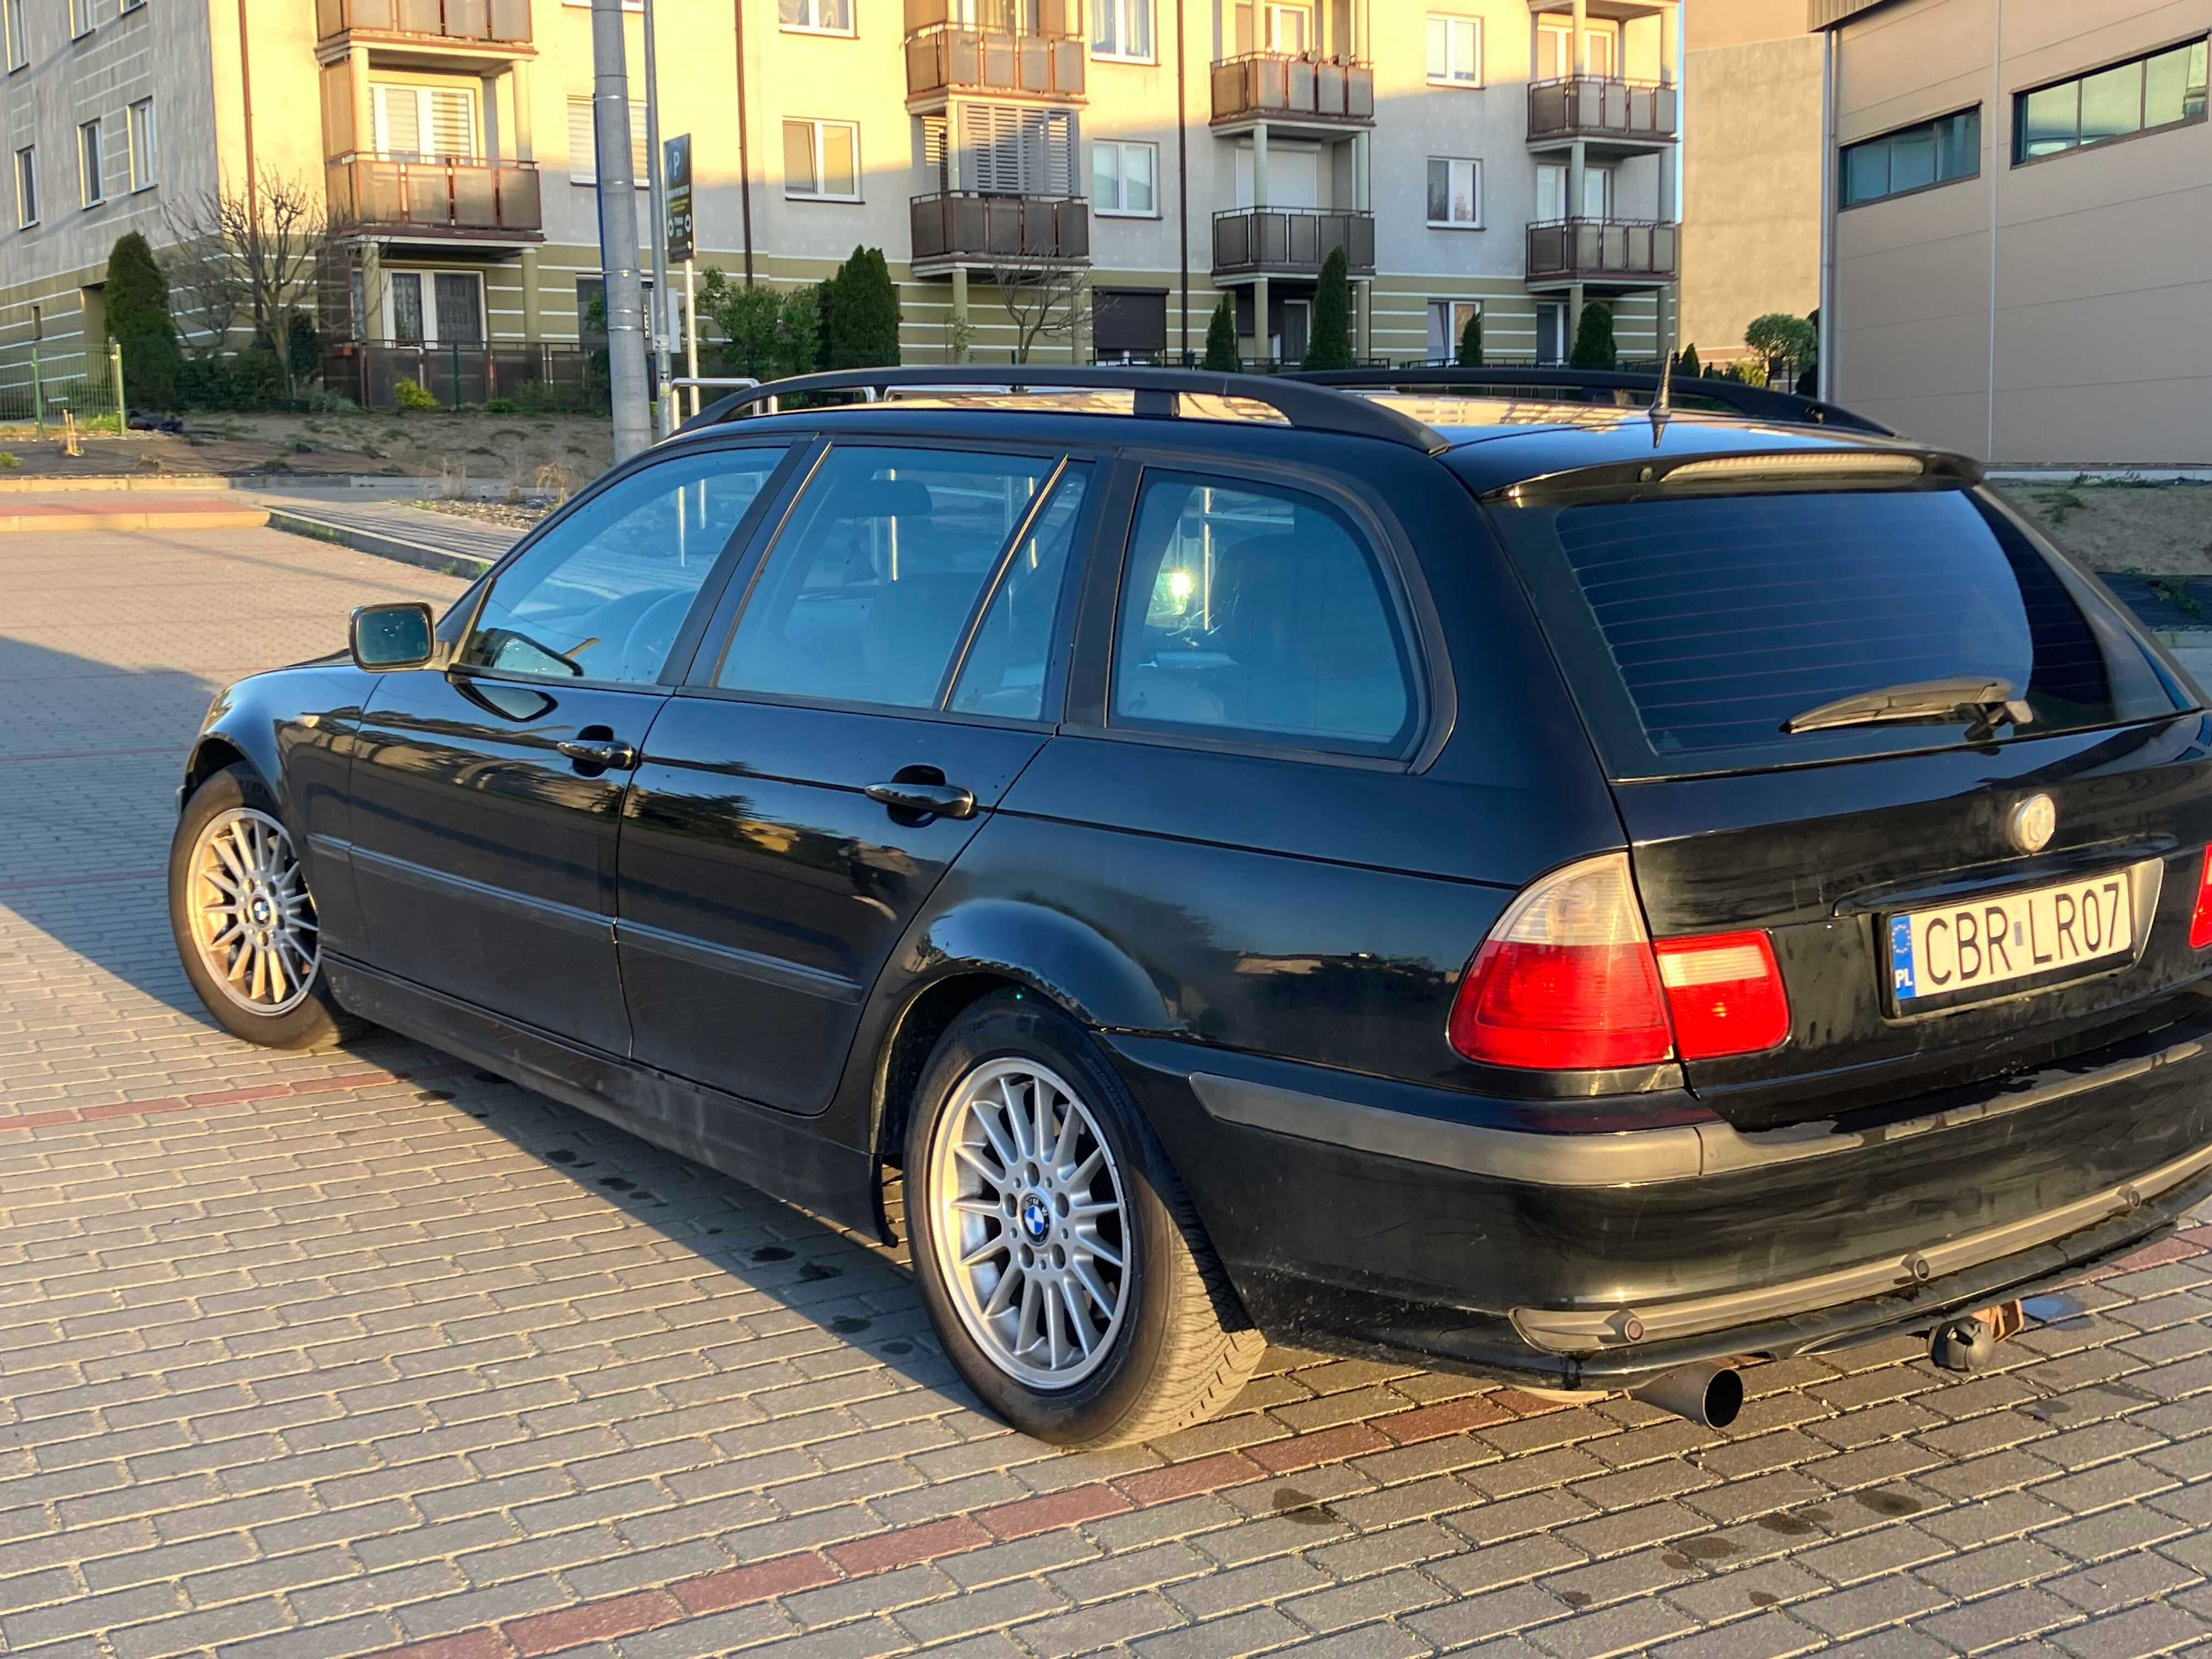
(244, 921)
(1062, 1263)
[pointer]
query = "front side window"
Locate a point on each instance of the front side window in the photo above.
(1912, 158)
(867, 595)
(1252, 611)
(1007, 663)
(92, 189)
(1454, 51)
(1122, 28)
(602, 594)
(1122, 179)
(27, 185)
(2164, 89)
(1455, 191)
(143, 161)
(816, 16)
(822, 159)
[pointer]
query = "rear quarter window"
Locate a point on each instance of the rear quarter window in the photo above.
(1696, 628)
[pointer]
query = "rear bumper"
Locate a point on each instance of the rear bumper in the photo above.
(1377, 1219)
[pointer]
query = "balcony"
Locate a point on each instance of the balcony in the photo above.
(1322, 93)
(1618, 252)
(1290, 241)
(1590, 106)
(426, 22)
(479, 201)
(949, 59)
(954, 228)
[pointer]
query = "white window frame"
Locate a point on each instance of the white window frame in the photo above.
(851, 27)
(27, 187)
(1122, 12)
(18, 44)
(1119, 149)
(583, 169)
(379, 98)
(429, 275)
(132, 5)
(1453, 326)
(142, 142)
(82, 17)
(1453, 21)
(1454, 162)
(91, 164)
(815, 193)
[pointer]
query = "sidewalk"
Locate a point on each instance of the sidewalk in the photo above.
(80, 510)
(388, 527)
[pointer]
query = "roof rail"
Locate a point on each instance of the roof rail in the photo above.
(1309, 407)
(1756, 402)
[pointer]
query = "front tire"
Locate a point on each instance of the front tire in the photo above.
(1062, 1263)
(244, 921)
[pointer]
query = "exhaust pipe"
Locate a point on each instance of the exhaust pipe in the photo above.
(1708, 1395)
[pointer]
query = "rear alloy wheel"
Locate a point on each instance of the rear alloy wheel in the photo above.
(1061, 1262)
(244, 920)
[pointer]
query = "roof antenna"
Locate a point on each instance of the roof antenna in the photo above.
(1662, 406)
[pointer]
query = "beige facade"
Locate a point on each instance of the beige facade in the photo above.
(1751, 169)
(2007, 285)
(1519, 154)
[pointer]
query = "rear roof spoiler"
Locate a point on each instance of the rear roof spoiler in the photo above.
(1758, 403)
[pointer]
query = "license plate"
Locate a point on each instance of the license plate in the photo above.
(1994, 941)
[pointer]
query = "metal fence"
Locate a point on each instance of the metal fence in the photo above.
(555, 378)
(84, 388)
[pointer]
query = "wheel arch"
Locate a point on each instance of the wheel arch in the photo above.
(212, 754)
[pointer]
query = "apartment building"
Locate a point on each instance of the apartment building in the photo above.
(2018, 257)
(1515, 156)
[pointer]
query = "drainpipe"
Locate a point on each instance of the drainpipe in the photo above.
(1997, 114)
(1183, 175)
(246, 98)
(744, 165)
(1829, 162)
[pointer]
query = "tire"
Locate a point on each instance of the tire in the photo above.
(1169, 1344)
(283, 1004)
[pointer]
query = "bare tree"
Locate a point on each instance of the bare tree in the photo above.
(1047, 302)
(255, 252)
(207, 292)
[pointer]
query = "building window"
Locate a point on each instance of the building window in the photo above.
(19, 43)
(1454, 51)
(1007, 150)
(816, 16)
(1122, 28)
(91, 186)
(80, 18)
(424, 124)
(1447, 321)
(1912, 158)
(2165, 89)
(1121, 179)
(821, 161)
(1455, 193)
(27, 185)
(442, 307)
(583, 146)
(1128, 324)
(142, 142)
(132, 5)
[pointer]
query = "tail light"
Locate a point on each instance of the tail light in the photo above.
(2200, 919)
(1569, 979)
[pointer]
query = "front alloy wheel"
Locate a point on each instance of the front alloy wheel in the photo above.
(250, 914)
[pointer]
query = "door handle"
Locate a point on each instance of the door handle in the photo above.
(614, 756)
(939, 800)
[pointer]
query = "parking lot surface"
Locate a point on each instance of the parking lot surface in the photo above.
(364, 1352)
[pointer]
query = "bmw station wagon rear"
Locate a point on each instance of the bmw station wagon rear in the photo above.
(1582, 898)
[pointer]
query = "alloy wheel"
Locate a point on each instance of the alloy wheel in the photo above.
(252, 919)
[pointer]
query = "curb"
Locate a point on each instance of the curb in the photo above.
(110, 483)
(239, 518)
(420, 553)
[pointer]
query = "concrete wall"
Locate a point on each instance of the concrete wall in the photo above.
(2080, 280)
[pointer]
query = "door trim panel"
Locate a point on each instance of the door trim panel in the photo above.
(745, 964)
(568, 917)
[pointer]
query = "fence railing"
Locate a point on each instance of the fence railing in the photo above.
(1591, 105)
(999, 16)
(1275, 85)
(958, 224)
(1290, 241)
(87, 391)
(453, 20)
(950, 58)
(554, 377)
(1563, 249)
(369, 190)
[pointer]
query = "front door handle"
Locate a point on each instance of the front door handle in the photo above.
(613, 757)
(939, 800)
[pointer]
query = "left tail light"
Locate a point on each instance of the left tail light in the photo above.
(2200, 919)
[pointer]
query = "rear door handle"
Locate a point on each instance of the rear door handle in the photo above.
(614, 757)
(941, 800)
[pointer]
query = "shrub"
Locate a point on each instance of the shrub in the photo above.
(138, 320)
(501, 406)
(1221, 356)
(1687, 363)
(1330, 345)
(249, 380)
(766, 334)
(408, 397)
(1594, 343)
(8, 461)
(864, 313)
(321, 400)
(1780, 337)
(1470, 342)
(303, 349)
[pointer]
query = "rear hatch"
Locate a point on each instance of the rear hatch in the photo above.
(1989, 865)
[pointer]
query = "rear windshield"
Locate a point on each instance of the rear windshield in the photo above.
(1721, 618)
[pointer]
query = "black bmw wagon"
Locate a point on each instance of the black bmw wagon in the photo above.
(1456, 865)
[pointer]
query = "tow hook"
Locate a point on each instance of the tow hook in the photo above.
(1968, 1345)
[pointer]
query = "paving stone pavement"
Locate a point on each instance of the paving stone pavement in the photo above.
(363, 1352)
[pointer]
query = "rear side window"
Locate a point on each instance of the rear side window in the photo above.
(1724, 618)
(1255, 612)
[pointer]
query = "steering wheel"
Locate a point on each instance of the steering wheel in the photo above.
(645, 647)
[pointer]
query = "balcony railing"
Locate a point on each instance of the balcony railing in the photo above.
(368, 193)
(1060, 17)
(953, 57)
(1591, 106)
(1605, 250)
(1290, 241)
(963, 225)
(1270, 86)
(504, 21)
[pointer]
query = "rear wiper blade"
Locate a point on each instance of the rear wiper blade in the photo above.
(1981, 705)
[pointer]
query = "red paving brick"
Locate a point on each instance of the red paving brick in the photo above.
(594, 1621)
(736, 1587)
(1187, 1479)
(469, 1644)
(950, 1537)
(1449, 1417)
(1054, 1510)
(1304, 1451)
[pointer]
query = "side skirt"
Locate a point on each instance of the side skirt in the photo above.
(756, 1145)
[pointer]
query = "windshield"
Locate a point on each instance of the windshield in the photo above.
(1723, 619)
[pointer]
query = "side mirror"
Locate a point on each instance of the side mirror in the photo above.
(392, 636)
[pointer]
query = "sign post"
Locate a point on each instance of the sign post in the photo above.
(676, 168)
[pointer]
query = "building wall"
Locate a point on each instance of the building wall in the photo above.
(2074, 284)
(1750, 175)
